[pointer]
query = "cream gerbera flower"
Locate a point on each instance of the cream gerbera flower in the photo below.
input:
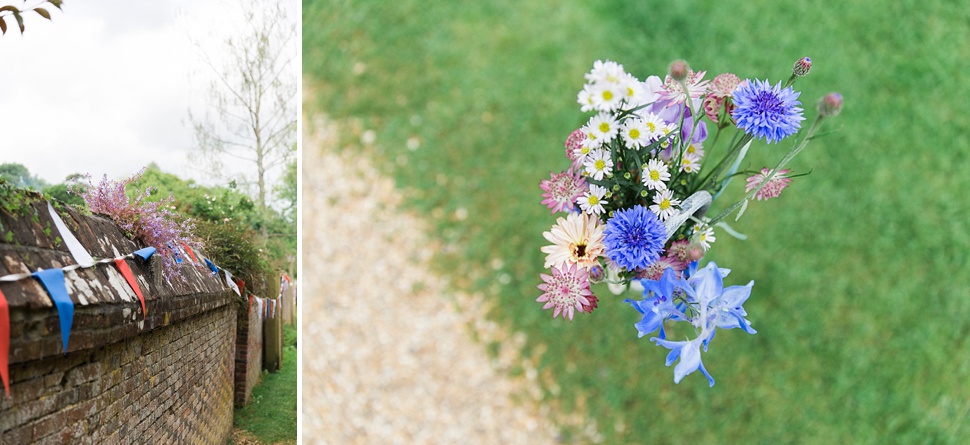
(576, 239)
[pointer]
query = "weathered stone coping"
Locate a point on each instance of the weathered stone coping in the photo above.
(107, 310)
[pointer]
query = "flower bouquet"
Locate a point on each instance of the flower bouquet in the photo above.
(641, 180)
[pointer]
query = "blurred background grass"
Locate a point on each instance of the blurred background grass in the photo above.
(861, 276)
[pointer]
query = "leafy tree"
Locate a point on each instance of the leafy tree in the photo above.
(18, 175)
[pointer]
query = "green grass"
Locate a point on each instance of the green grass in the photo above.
(271, 417)
(861, 273)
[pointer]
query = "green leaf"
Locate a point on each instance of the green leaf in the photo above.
(43, 13)
(3, 26)
(9, 8)
(56, 3)
(20, 21)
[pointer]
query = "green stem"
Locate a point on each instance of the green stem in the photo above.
(784, 161)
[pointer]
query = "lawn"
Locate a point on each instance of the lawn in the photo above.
(861, 274)
(271, 417)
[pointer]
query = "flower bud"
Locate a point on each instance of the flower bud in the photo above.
(679, 70)
(695, 252)
(802, 66)
(830, 105)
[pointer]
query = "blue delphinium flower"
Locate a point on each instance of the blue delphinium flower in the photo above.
(658, 303)
(634, 237)
(689, 353)
(713, 306)
(767, 112)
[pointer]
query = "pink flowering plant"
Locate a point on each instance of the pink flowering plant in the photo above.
(151, 222)
(643, 173)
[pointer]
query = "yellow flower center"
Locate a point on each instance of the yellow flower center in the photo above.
(652, 126)
(593, 200)
(607, 95)
(665, 204)
(654, 175)
(634, 134)
(600, 164)
(604, 127)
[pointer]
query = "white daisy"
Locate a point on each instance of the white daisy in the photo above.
(632, 88)
(690, 163)
(592, 139)
(654, 125)
(655, 175)
(605, 72)
(703, 235)
(607, 96)
(635, 133)
(585, 99)
(664, 204)
(598, 164)
(695, 149)
(603, 127)
(592, 201)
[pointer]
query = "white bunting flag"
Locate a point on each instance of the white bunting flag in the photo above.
(80, 255)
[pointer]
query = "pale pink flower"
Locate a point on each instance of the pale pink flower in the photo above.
(566, 290)
(562, 190)
(696, 87)
(771, 189)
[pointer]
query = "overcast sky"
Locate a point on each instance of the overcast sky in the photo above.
(104, 87)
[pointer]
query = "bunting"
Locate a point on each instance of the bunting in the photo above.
(53, 281)
(4, 342)
(232, 284)
(126, 272)
(81, 256)
(190, 252)
(212, 266)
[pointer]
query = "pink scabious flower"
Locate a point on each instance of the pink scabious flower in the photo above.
(680, 251)
(566, 290)
(724, 84)
(573, 143)
(562, 190)
(696, 87)
(721, 88)
(772, 188)
(656, 270)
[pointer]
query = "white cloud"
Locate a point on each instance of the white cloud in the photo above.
(104, 88)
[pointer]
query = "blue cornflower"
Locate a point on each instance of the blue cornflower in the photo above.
(634, 237)
(767, 112)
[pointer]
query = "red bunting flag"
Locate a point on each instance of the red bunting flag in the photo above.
(241, 284)
(126, 272)
(4, 342)
(250, 303)
(190, 252)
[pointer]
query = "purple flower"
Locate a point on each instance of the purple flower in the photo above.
(767, 112)
(152, 223)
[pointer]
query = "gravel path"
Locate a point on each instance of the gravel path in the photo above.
(387, 351)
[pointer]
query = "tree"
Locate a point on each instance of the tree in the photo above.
(17, 12)
(253, 95)
(18, 175)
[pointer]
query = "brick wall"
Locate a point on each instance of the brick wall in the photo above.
(165, 376)
(249, 353)
(172, 385)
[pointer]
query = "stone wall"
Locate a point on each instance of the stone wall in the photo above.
(165, 376)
